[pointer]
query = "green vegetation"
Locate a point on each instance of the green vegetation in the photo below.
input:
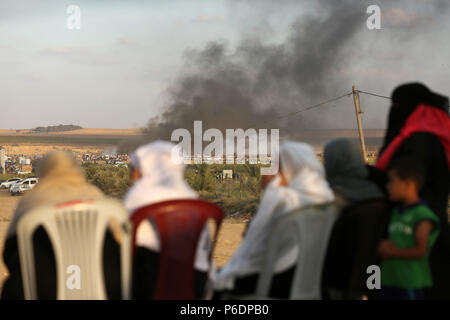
(238, 197)
(113, 181)
(7, 176)
(59, 128)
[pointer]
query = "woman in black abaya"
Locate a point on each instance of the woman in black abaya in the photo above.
(419, 127)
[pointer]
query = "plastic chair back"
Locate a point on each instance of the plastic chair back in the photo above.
(76, 230)
(179, 224)
(310, 227)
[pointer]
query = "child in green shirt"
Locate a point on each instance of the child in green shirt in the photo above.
(413, 229)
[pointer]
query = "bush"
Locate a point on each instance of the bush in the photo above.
(113, 181)
(238, 197)
(59, 128)
(7, 176)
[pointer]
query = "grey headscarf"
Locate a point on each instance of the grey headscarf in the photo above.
(346, 172)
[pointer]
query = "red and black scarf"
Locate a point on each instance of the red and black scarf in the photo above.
(424, 118)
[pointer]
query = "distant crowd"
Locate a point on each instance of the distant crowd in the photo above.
(317, 229)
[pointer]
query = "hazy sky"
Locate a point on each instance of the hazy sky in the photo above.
(115, 72)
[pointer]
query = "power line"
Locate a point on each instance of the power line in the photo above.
(373, 94)
(328, 101)
(305, 109)
(313, 106)
(325, 102)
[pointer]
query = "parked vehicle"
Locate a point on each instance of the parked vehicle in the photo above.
(15, 182)
(120, 164)
(23, 186)
(8, 183)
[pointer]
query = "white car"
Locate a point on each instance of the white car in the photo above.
(23, 186)
(8, 183)
(120, 164)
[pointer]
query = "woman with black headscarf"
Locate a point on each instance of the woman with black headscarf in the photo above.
(357, 231)
(419, 127)
(346, 172)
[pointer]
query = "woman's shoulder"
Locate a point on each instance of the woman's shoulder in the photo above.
(288, 198)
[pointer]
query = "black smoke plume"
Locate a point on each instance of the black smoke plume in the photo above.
(254, 84)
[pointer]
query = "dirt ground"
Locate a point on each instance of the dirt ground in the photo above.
(7, 206)
(229, 237)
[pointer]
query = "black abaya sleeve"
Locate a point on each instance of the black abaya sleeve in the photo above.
(45, 268)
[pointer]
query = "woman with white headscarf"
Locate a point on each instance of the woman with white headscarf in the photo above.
(299, 183)
(159, 176)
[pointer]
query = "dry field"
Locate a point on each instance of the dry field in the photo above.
(89, 140)
(84, 131)
(36, 149)
(100, 131)
(351, 133)
(96, 139)
(230, 234)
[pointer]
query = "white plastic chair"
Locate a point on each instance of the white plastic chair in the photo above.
(310, 228)
(76, 230)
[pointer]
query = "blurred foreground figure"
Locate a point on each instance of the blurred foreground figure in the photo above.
(299, 183)
(361, 223)
(419, 128)
(61, 180)
(412, 232)
(347, 174)
(158, 178)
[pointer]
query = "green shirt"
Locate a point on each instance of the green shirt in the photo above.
(409, 273)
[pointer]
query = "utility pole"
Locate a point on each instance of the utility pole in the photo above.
(2, 159)
(358, 119)
(234, 167)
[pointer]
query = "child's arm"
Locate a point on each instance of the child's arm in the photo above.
(387, 248)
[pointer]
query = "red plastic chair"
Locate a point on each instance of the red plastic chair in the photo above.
(179, 223)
